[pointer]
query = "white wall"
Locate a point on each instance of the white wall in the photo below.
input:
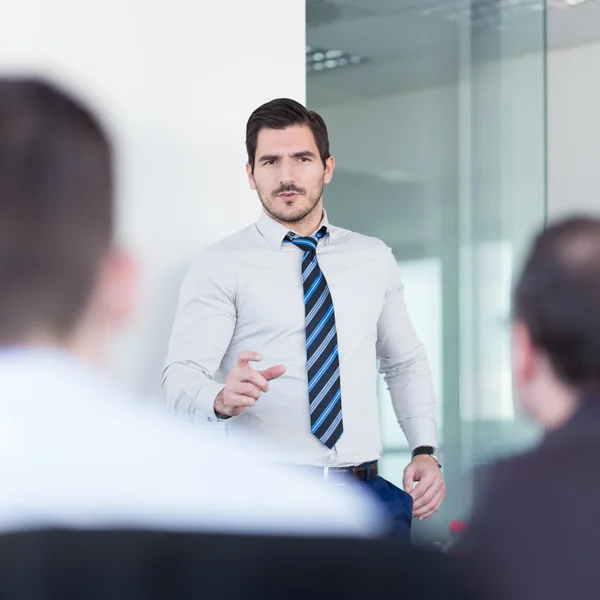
(176, 82)
(574, 130)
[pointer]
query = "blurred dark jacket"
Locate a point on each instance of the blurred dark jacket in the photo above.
(143, 565)
(536, 532)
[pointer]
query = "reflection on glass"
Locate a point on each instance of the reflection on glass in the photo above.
(438, 133)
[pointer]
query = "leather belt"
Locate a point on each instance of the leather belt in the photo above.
(363, 472)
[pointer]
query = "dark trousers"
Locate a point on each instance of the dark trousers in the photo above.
(396, 503)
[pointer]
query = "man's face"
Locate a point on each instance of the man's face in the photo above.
(288, 173)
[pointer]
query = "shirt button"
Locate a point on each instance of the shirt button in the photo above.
(209, 419)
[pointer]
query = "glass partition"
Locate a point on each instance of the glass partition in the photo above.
(436, 114)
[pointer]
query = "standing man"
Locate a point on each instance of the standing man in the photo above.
(280, 325)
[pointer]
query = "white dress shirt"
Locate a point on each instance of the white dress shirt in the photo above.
(245, 293)
(76, 452)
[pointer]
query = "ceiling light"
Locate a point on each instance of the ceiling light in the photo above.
(566, 4)
(320, 59)
(483, 12)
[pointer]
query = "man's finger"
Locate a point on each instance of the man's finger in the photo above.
(255, 378)
(234, 411)
(247, 389)
(427, 515)
(241, 401)
(236, 403)
(245, 357)
(425, 509)
(273, 372)
(409, 478)
(427, 497)
(432, 507)
(425, 482)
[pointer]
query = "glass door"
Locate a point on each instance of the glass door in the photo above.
(436, 115)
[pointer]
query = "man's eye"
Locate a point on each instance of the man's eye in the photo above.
(304, 159)
(269, 162)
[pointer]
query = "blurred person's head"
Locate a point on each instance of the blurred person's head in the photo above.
(556, 331)
(288, 159)
(63, 282)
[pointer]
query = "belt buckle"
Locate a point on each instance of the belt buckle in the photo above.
(328, 481)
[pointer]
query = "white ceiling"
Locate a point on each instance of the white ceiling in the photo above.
(412, 44)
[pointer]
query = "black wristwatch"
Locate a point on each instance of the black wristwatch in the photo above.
(429, 451)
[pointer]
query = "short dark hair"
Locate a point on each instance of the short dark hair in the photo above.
(558, 299)
(56, 208)
(279, 114)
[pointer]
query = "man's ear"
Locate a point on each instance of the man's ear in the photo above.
(523, 353)
(116, 293)
(250, 176)
(329, 167)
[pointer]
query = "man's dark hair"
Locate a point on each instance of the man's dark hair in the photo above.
(558, 300)
(279, 114)
(56, 213)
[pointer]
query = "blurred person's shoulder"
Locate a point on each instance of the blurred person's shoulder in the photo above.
(564, 457)
(520, 499)
(210, 482)
(245, 485)
(533, 527)
(500, 486)
(76, 450)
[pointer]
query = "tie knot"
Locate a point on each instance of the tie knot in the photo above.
(309, 244)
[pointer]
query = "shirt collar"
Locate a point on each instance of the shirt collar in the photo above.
(275, 232)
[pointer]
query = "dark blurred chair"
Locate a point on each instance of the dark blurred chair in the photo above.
(136, 565)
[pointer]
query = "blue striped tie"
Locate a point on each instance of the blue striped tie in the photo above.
(322, 361)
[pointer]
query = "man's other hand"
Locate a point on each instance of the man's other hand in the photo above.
(430, 490)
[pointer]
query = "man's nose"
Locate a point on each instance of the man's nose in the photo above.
(286, 173)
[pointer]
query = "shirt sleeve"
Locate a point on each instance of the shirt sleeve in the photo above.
(203, 328)
(404, 365)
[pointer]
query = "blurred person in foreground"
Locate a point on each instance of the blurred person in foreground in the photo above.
(74, 451)
(537, 529)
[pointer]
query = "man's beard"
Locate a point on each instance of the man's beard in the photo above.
(299, 213)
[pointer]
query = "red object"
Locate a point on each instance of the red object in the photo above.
(458, 527)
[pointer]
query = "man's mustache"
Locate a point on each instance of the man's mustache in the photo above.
(288, 188)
